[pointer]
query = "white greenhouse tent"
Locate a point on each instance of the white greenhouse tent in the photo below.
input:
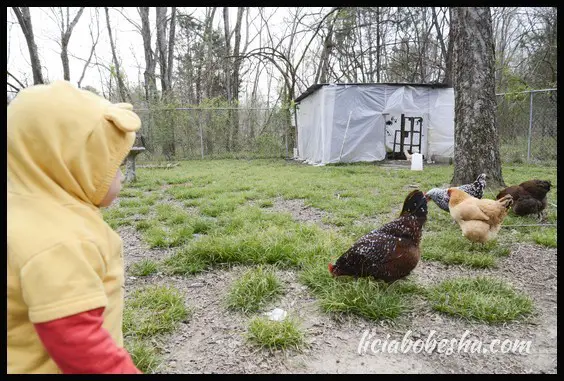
(366, 122)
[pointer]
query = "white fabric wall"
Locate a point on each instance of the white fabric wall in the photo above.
(362, 141)
(441, 128)
(322, 121)
(309, 127)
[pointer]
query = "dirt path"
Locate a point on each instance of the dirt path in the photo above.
(213, 341)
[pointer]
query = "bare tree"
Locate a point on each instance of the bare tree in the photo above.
(446, 51)
(122, 89)
(321, 76)
(94, 43)
(232, 70)
(150, 59)
(65, 28)
(162, 49)
(171, 41)
(476, 141)
(24, 18)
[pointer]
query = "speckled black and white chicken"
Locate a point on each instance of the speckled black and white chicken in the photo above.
(441, 198)
(390, 252)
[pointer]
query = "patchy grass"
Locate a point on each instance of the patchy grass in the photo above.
(275, 334)
(254, 289)
(162, 237)
(483, 299)
(144, 225)
(220, 189)
(152, 311)
(451, 247)
(364, 297)
(129, 192)
(148, 314)
(130, 202)
(254, 236)
(145, 356)
(546, 237)
(265, 203)
(144, 267)
(223, 215)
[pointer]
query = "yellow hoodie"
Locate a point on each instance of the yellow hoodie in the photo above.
(65, 146)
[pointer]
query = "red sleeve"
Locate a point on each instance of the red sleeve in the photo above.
(79, 344)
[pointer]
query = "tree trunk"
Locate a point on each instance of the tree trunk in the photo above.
(150, 61)
(24, 19)
(228, 75)
(328, 44)
(378, 44)
(169, 68)
(449, 57)
(168, 146)
(122, 90)
(66, 33)
(162, 48)
(444, 50)
(65, 60)
(171, 41)
(207, 91)
(235, 80)
(476, 141)
(94, 43)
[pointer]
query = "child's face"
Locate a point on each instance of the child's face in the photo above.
(115, 187)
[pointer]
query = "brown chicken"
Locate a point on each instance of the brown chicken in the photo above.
(390, 252)
(479, 219)
(529, 197)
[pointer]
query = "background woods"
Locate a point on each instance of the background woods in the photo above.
(220, 81)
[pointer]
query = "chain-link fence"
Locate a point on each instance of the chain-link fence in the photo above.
(210, 133)
(527, 125)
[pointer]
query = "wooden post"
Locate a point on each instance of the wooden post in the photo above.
(130, 175)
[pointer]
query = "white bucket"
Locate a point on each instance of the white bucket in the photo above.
(417, 162)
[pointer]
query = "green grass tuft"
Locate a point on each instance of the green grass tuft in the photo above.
(374, 300)
(483, 299)
(143, 225)
(144, 267)
(144, 355)
(275, 334)
(450, 247)
(153, 310)
(254, 289)
(545, 237)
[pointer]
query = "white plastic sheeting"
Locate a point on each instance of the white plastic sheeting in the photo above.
(347, 123)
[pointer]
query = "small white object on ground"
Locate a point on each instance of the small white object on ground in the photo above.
(276, 314)
(417, 162)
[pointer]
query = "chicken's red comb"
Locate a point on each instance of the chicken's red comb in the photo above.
(331, 268)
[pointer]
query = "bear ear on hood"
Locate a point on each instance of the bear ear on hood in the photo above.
(122, 116)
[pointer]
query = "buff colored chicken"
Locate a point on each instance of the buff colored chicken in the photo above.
(479, 219)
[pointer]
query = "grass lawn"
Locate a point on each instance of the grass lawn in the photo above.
(231, 212)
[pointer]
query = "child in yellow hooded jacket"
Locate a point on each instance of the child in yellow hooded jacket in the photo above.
(65, 272)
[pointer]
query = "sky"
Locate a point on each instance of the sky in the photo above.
(129, 43)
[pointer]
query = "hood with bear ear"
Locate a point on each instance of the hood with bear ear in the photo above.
(65, 143)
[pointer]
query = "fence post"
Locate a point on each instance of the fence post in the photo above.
(201, 133)
(530, 128)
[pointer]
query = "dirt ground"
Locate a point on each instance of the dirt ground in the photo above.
(213, 339)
